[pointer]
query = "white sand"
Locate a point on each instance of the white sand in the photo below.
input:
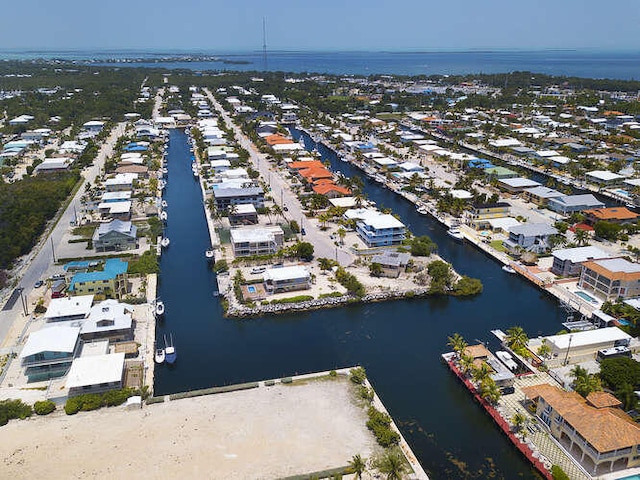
(261, 433)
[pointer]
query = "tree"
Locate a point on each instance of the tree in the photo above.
(375, 269)
(617, 372)
(627, 396)
(466, 363)
(519, 421)
(342, 233)
(581, 236)
(358, 465)
(392, 464)
(441, 276)
(458, 343)
(490, 391)
(517, 340)
(304, 250)
(584, 383)
(482, 373)
(544, 350)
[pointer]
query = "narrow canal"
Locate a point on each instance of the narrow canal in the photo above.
(399, 343)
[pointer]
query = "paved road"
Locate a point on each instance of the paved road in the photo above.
(283, 196)
(39, 263)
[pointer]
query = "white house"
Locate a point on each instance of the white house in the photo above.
(96, 374)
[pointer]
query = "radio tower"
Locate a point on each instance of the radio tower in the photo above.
(264, 42)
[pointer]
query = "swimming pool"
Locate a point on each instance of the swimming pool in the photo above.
(622, 192)
(632, 477)
(585, 296)
(251, 289)
(626, 323)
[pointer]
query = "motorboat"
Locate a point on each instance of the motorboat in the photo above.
(422, 210)
(164, 204)
(164, 215)
(159, 356)
(209, 254)
(170, 354)
(159, 310)
(508, 269)
(164, 243)
(455, 233)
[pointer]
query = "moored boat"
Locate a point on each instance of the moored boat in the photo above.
(159, 309)
(170, 354)
(159, 356)
(508, 269)
(164, 243)
(164, 215)
(455, 233)
(209, 254)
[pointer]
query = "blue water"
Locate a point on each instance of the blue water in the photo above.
(585, 296)
(580, 63)
(399, 343)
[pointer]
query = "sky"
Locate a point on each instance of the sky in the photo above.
(226, 26)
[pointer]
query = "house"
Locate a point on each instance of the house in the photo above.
(582, 346)
(286, 279)
(611, 278)
(226, 197)
(111, 281)
(21, 120)
(567, 262)
(68, 309)
(219, 166)
(96, 374)
(517, 184)
(330, 189)
(48, 352)
(610, 214)
(122, 182)
(115, 235)
(243, 215)
(115, 210)
(604, 177)
(500, 173)
(94, 126)
(109, 320)
(601, 437)
(256, 241)
(533, 237)
(140, 170)
(54, 164)
(568, 204)
(540, 195)
(392, 263)
(480, 213)
(379, 229)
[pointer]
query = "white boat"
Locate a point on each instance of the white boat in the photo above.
(422, 210)
(170, 353)
(159, 310)
(164, 204)
(508, 269)
(159, 356)
(164, 215)
(209, 254)
(195, 173)
(164, 243)
(165, 170)
(455, 233)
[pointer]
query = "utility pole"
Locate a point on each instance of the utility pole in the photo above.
(25, 305)
(566, 357)
(53, 252)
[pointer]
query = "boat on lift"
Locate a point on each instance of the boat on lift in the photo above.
(164, 243)
(159, 356)
(159, 308)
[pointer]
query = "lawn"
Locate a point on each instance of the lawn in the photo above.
(497, 245)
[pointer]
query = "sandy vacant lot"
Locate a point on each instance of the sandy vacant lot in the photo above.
(268, 432)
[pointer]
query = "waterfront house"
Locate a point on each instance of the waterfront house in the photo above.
(227, 197)
(568, 204)
(108, 320)
(604, 178)
(21, 120)
(122, 182)
(480, 213)
(517, 184)
(96, 374)
(578, 347)
(68, 309)
(111, 281)
(286, 279)
(115, 235)
(219, 166)
(54, 164)
(618, 215)
(611, 279)
(567, 262)
(243, 215)
(540, 195)
(330, 189)
(115, 210)
(500, 173)
(601, 437)
(532, 237)
(140, 170)
(48, 352)
(377, 229)
(256, 241)
(392, 263)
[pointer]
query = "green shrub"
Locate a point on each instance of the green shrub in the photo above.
(269, 383)
(558, 474)
(297, 299)
(287, 380)
(333, 373)
(380, 424)
(72, 406)
(358, 375)
(116, 397)
(330, 295)
(10, 409)
(350, 282)
(220, 266)
(91, 401)
(44, 407)
(365, 393)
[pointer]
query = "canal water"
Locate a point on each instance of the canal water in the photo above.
(399, 343)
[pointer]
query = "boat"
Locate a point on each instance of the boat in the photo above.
(455, 233)
(209, 254)
(164, 243)
(508, 269)
(195, 173)
(170, 353)
(164, 204)
(164, 215)
(159, 356)
(165, 170)
(159, 310)
(422, 210)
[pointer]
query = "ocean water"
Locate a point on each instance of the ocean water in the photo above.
(623, 65)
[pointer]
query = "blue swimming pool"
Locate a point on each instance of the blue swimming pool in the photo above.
(251, 289)
(632, 477)
(626, 323)
(585, 296)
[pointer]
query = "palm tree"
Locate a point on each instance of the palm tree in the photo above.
(267, 212)
(458, 343)
(581, 236)
(544, 350)
(519, 421)
(517, 339)
(392, 464)
(358, 465)
(466, 363)
(482, 373)
(277, 211)
(341, 233)
(490, 391)
(583, 382)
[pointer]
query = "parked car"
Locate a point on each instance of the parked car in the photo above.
(285, 208)
(303, 231)
(38, 284)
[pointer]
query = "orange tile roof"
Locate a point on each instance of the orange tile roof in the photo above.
(312, 173)
(277, 139)
(307, 164)
(603, 400)
(612, 112)
(611, 275)
(477, 351)
(326, 187)
(606, 429)
(612, 213)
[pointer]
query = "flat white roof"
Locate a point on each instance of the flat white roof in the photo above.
(95, 369)
(619, 265)
(385, 161)
(286, 273)
(604, 175)
(588, 337)
(580, 254)
(253, 235)
(461, 194)
(519, 182)
(343, 202)
(562, 160)
(245, 208)
(69, 306)
(547, 153)
(503, 223)
(382, 221)
(116, 207)
(57, 338)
